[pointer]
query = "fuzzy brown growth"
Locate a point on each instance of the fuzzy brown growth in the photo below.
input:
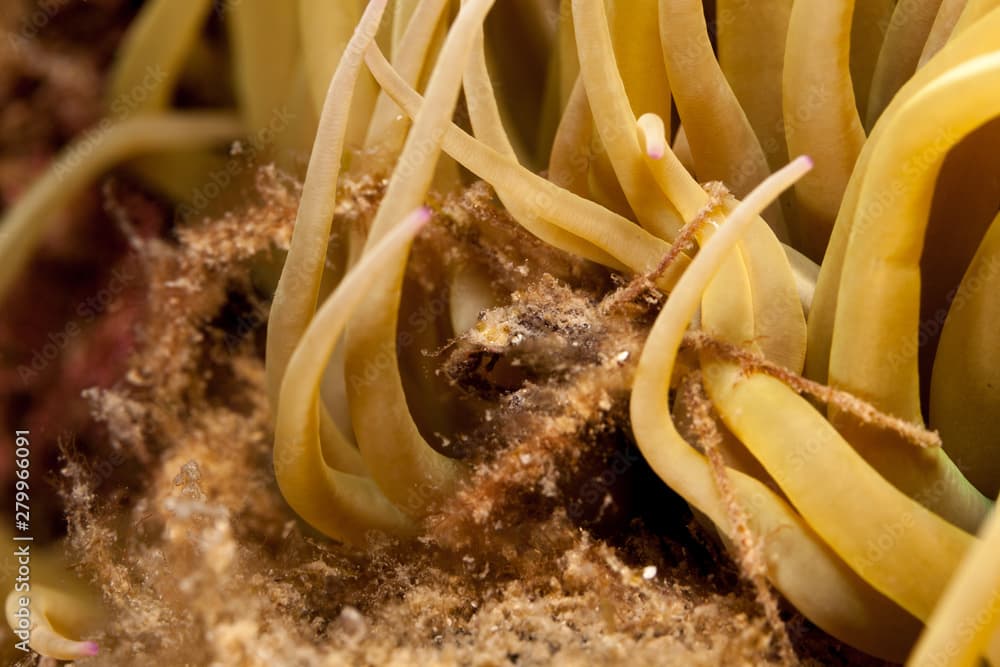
(200, 561)
(572, 367)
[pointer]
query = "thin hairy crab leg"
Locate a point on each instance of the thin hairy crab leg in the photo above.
(625, 242)
(748, 406)
(340, 505)
(850, 510)
(782, 331)
(967, 619)
(754, 73)
(878, 360)
(803, 440)
(79, 164)
(965, 384)
(798, 563)
(979, 38)
(50, 607)
(705, 430)
(871, 19)
(615, 121)
(299, 287)
(905, 37)
(408, 470)
(820, 114)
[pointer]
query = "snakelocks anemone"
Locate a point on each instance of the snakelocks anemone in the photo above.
(802, 194)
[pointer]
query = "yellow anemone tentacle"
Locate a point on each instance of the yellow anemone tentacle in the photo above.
(781, 330)
(627, 244)
(805, 570)
(965, 626)
(79, 164)
(409, 56)
(754, 73)
(979, 38)
(965, 385)
(722, 141)
(143, 79)
(341, 505)
(271, 83)
(905, 36)
(299, 286)
(325, 30)
(877, 359)
(407, 469)
(615, 121)
(488, 127)
(945, 22)
(51, 614)
(821, 118)
(871, 19)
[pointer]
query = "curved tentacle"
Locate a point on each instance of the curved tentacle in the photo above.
(965, 384)
(51, 614)
(410, 473)
(722, 141)
(615, 121)
(795, 556)
(25, 224)
(298, 289)
(341, 505)
(627, 244)
(905, 37)
(821, 118)
(924, 129)
(976, 40)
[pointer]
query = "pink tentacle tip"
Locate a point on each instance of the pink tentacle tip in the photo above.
(656, 151)
(807, 161)
(90, 649)
(422, 216)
